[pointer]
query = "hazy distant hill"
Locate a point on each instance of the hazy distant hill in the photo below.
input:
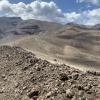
(97, 26)
(8, 23)
(17, 26)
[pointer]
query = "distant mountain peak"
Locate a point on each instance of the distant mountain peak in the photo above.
(97, 26)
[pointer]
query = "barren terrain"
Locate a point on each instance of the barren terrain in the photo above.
(23, 76)
(72, 45)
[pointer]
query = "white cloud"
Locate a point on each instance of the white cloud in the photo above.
(73, 16)
(5, 6)
(37, 10)
(94, 13)
(89, 1)
(48, 11)
(93, 16)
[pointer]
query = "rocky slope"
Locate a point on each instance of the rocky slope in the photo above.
(78, 46)
(23, 76)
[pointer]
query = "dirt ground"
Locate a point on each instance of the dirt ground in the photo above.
(23, 76)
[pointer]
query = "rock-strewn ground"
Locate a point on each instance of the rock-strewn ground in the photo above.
(26, 77)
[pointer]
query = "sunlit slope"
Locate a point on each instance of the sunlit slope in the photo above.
(75, 46)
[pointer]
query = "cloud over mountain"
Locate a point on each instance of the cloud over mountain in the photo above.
(48, 11)
(36, 10)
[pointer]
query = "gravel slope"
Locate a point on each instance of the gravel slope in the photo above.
(23, 76)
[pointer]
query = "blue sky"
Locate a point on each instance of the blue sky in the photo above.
(66, 5)
(61, 11)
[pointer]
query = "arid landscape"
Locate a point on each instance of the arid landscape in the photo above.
(49, 49)
(23, 76)
(42, 60)
(73, 44)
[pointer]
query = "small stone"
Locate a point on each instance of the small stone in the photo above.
(16, 84)
(80, 87)
(63, 77)
(1, 91)
(74, 98)
(89, 92)
(81, 93)
(28, 90)
(25, 98)
(31, 72)
(52, 93)
(86, 88)
(48, 94)
(18, 63)
(62, 84)
(34, 92)
(38, 68)
(73, 86)
(20, 73)
(32, 79)
(75, 76)
(17, 91)
(3, 76)
(25, 68)
(21, 92)
(69, 93)
(83, 98)
(57, 83)
(24, 88)
(99, 86)
(55, 59)
(70, 76)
